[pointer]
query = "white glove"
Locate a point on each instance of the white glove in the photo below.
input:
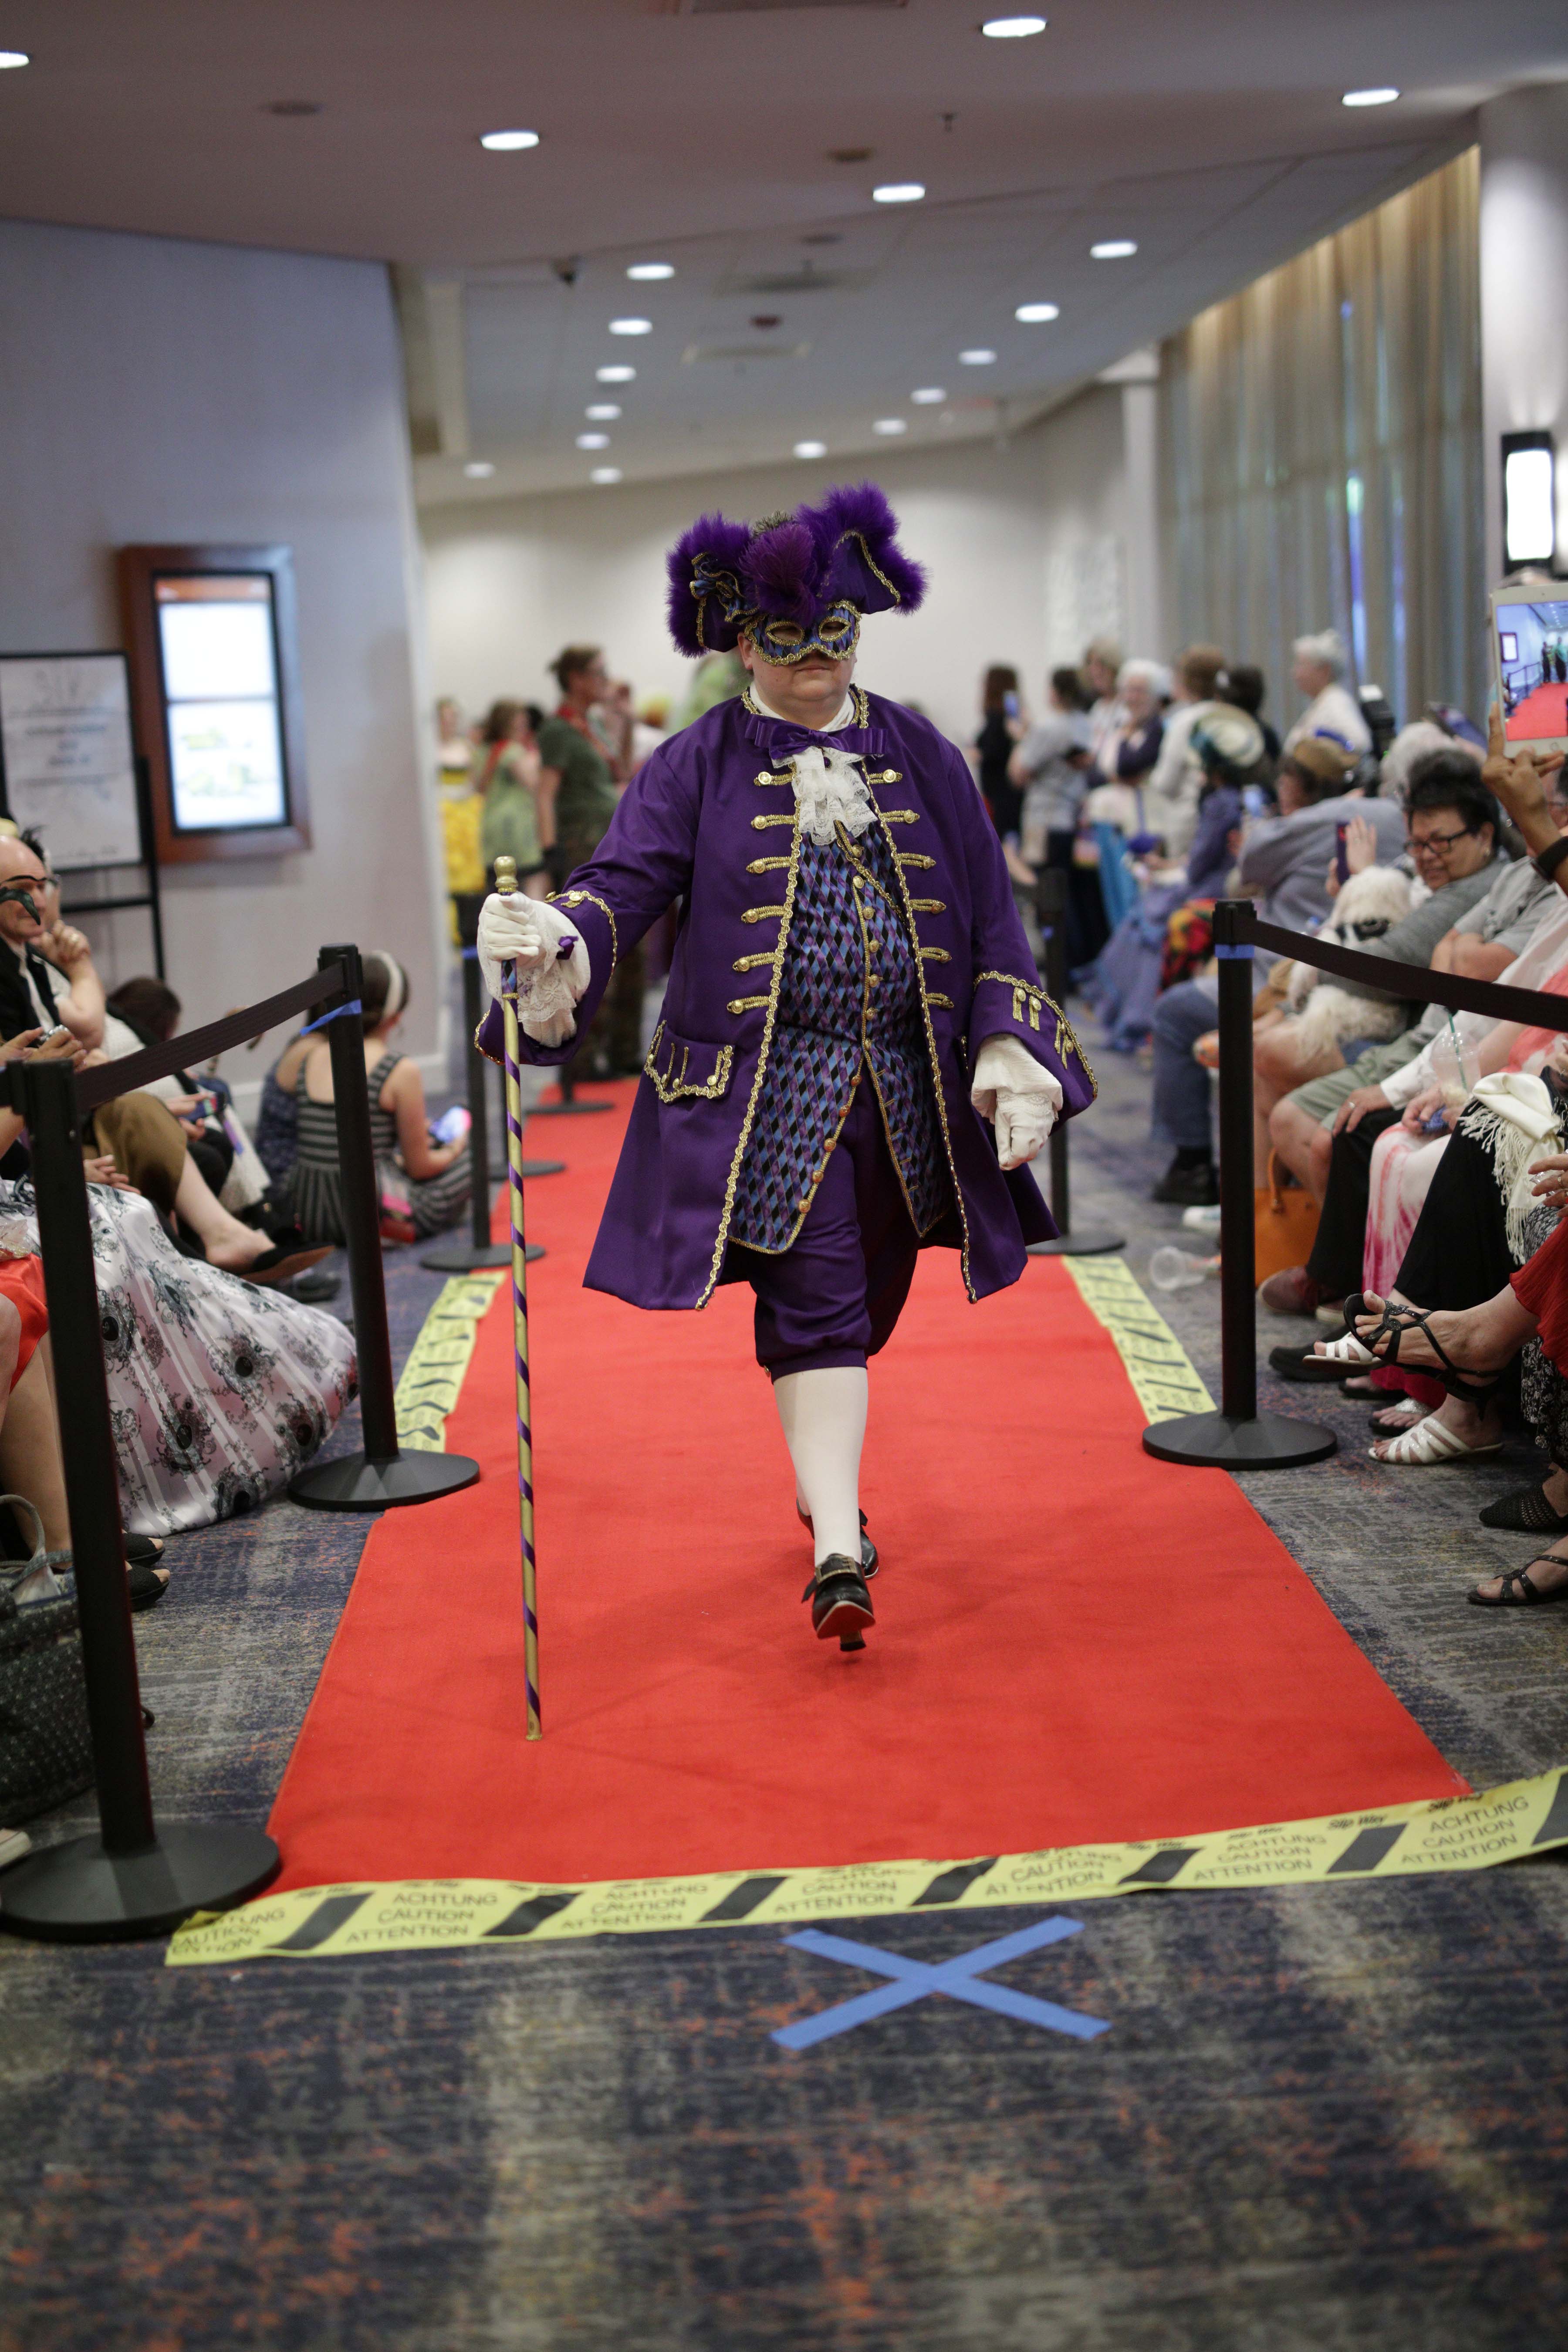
(1018, 1095)
(530, 933)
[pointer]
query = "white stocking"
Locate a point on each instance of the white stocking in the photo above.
(824, 1418)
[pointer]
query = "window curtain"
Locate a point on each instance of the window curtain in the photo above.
(1322, 456)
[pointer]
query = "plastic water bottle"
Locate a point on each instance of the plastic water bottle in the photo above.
(1175, 1269)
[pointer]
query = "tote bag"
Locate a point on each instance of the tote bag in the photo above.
(1284, 1224)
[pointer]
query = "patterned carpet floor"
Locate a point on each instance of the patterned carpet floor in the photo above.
(1325, 2117)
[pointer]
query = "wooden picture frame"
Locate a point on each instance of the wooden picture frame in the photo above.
(140, 569)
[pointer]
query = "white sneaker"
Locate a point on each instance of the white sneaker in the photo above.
(14, 1845)
(1201, 1221)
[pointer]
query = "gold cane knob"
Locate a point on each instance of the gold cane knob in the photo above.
(506, 875)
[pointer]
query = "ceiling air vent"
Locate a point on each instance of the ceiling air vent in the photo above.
(798, 281)
(737, 354)
(755, 7)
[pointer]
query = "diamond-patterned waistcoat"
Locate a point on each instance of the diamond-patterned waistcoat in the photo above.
(849, 996)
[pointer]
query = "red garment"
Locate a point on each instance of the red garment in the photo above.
(22, 1282)
(1541, 1286)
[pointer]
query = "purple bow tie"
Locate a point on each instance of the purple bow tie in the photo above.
(781, 741)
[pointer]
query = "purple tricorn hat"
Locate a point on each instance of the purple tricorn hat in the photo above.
(794, 583)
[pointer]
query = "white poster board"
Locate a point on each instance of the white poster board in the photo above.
(66, 761)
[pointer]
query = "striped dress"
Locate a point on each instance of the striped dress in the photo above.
(434, 1202)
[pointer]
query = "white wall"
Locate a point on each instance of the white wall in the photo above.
(152, 389)
(1524, 315)
(1025, 545)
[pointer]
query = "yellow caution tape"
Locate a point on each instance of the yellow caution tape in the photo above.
(433, 1376)
(1160, 1368)
(433, 1914)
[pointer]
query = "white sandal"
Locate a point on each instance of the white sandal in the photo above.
(1427, 1443)
(1347, 1350)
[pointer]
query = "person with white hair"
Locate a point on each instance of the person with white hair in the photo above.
(1332, 711)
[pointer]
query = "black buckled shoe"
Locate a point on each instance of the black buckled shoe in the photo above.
(840, 1604)
(868, 1560)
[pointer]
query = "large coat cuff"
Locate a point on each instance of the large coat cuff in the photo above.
(593, 920)
(1006, 1004)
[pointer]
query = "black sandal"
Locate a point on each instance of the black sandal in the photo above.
(1395, 1321)
(1529, 1594)
(1526, 1509)
(143, 1551)
(145, 1583)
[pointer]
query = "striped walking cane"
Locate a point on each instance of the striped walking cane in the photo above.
(506, 883)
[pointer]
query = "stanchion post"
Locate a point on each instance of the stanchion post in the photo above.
(383, 1474)
(127, 1881)
(1236, 1437)
(478, 1251)
(1079, 1240)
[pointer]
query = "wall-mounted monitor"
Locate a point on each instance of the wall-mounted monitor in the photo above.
(214, 670)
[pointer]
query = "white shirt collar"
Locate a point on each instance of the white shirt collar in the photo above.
(846, 713)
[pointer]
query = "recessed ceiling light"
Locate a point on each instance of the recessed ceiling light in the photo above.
(1115, 248)
(593, 440)
(897, 192)
(649, 270)
(631, 326)
(606, 474)
(1369, 98)
(1012, 28)
(891, 424)
(603, 412)
(930, 395)
(11, 58)
(811, 448)
(615, 374)
(977, 359)
(507, 143)
(1037, 314)
(478, 469)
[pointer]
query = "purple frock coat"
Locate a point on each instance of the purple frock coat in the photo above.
(707, 819)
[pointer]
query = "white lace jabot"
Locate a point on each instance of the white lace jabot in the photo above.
(830, 786)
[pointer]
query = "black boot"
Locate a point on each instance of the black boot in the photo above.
(869, 1562)
(840, 1604)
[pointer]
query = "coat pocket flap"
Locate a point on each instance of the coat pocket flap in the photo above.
(682, 1067)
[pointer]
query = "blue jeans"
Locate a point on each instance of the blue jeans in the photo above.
(1181, 1085)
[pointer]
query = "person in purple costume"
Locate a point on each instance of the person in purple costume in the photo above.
(855, 1057)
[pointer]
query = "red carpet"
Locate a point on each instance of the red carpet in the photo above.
(1074, 1642)
(1543, 713)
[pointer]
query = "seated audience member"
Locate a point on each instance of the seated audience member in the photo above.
(1282, 865)
(1452, 822)
(1176, 779)
(218, 1391)
(136, 1134)
(1325, 1131)
(1333, 713)
(430, 1183)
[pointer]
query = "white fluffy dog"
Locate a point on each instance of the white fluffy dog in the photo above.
(1371, 903)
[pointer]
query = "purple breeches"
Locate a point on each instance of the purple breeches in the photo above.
(834, 1297)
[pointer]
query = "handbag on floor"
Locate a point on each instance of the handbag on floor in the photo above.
(46, 1749)
(1284, 1224)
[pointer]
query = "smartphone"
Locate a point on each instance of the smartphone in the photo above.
(1010, 705)
(1342, 854)
(452, 1126)
(1529, 667)
(1435, 1122)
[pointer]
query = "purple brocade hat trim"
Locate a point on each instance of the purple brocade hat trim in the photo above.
(725, 576)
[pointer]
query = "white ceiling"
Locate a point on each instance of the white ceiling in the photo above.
(1210, 131)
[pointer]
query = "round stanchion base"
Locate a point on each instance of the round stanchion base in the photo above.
(357, 1484)
(1084, 1240)
(499, 1171)
(76, 1893)
(573, 1110)
(1216, 1441)
(473, 1257)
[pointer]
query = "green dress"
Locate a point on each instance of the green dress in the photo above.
(510, 826)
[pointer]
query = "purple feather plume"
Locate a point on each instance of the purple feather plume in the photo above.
(726, 546)
(849, 516)
(785, 568)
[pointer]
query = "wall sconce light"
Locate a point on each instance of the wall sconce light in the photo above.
(1529, 499)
